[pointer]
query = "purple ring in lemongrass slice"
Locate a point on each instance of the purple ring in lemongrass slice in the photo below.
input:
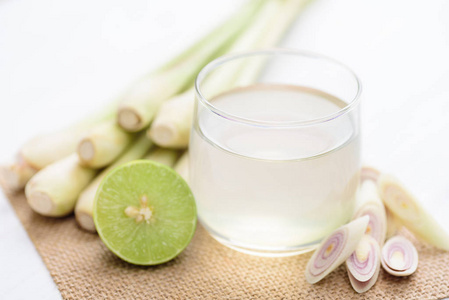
(410, 213)
(377, 225)
(335, 249)
(369, 173)
(399, 256)
(364, 264)
(360, 286)
(370, 204)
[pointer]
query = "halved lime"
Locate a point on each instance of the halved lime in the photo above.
(145, 212)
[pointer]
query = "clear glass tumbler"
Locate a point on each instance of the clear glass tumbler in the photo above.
(275, 149)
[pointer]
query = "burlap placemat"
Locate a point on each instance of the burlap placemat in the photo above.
(83, 268)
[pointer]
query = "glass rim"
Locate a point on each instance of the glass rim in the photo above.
(214, 64)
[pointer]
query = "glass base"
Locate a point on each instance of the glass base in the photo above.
(264, 252)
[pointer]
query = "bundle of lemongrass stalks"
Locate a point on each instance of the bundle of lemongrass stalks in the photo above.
(61, 171)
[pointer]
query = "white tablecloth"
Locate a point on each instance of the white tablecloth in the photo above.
(59, 59)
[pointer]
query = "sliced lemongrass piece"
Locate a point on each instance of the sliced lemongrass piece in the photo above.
(368, 193)
(164, 156)
(369, 173)
(142, 100)
(361, 287)
(377, 225)
(85, 203)
(182, 166)
(364, 263)
(335, 249)
(54, 189)
(171, 126)
(393, 224)
(370, 204)
(399, 257)
(410, 213)
(103, 144)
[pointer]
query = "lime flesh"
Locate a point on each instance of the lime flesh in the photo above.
(145, 213)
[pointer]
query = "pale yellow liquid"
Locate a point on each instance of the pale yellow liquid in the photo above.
(275, 190)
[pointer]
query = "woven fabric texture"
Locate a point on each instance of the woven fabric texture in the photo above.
(83, 268)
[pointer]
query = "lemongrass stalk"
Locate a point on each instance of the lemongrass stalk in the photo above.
(142, 100)
(271, 25)
(46, 149)
(410, 213)
(85, 202)
(283, 21)
(182, 166)
(54, 189)
(222, 28)
(103, 144)
(164, 156)
(38, 153)
(171, 127)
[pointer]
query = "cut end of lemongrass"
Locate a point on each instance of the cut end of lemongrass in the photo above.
(163, 133)
(335, 249)
(171, 126)
(53, 190)
(364, 262)
(40, 202)
(86, 221)
(103, 144)
(129, 119)
(15, 176)
(10, 179)
(86, 150)
(399, 257)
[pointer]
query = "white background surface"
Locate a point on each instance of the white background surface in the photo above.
(59, 59)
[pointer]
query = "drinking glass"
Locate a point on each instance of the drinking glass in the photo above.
(275, 149)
